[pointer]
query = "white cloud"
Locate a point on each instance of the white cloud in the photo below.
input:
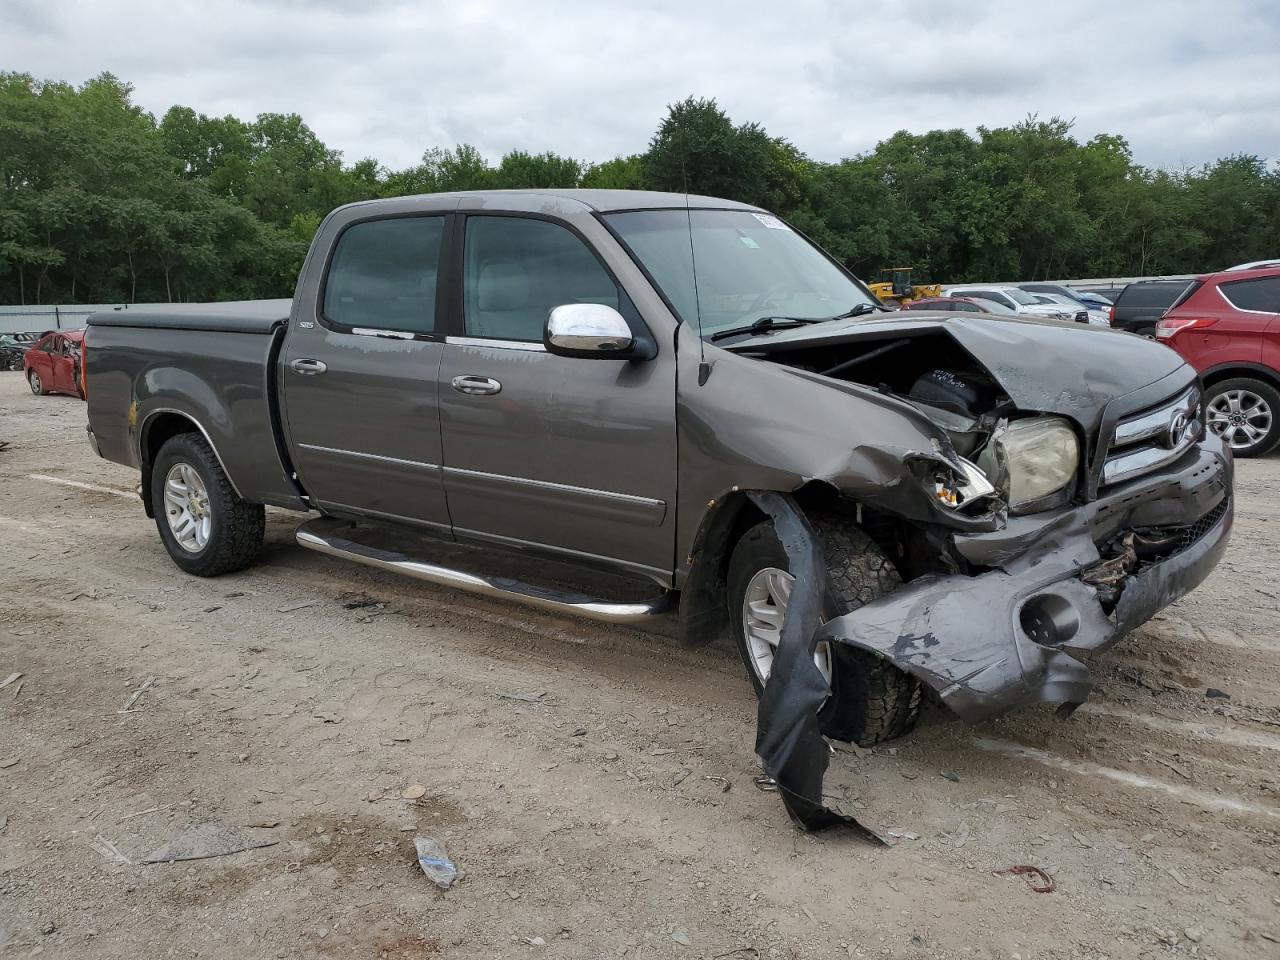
(389, 78)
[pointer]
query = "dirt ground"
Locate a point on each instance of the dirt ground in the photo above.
(587, 815)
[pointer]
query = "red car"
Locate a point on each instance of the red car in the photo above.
(55, 363)
(1227, 326)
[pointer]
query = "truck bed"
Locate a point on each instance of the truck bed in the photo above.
(240, 316)
(149, 367)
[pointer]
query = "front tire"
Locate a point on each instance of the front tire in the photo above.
(204, 524)
(871, 700)
(36, 384)
(1246, 413)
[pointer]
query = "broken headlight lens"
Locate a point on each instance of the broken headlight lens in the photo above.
(1031, 460)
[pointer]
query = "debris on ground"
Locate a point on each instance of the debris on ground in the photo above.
(1025, 869)
(143, 813)
(290, 608)
(414, 791)
(903, 834)
(534, 941)
(108, 850)
(434, 862)
(523, 697)
(11, 678)
(680, 937)
(8, 762)
(204, 841)
(1213, 693)
(356, 600)
(146, 685)
(950, 775)
(679, 777)
(722, 782)
(1172, 766)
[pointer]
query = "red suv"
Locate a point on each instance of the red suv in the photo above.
(1227, 326)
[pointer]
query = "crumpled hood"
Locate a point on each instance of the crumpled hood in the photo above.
(1048, 366)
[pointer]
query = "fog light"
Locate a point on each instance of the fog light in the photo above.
(1049, 620)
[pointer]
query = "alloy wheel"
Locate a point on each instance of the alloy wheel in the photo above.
(186, 506)
(764, 604)
(1240, 417)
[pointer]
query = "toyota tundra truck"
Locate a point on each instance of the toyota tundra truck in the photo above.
(668, 399)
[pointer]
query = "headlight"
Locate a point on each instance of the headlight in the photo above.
(1030, 460)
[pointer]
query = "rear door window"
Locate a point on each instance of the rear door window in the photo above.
(383, 276)
(1261, 294)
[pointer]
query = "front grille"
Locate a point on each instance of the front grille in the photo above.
(1152, 438)
(1190, 534)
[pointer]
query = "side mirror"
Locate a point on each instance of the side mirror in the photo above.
(588, 330)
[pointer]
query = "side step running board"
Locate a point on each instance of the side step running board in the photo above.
(313, 536)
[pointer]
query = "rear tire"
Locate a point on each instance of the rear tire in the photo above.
(1246, 413)
(871, 700)
(233, 535)
(36, 384)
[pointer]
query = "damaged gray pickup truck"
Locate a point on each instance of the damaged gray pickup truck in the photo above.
(687, 392)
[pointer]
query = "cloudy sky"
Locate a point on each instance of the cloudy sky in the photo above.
(1185, 81)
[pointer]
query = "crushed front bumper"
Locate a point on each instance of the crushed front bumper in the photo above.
(1022, 631)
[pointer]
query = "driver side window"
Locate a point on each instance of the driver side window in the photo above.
(517, 269)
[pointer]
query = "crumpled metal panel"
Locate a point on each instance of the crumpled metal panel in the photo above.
(959, 635)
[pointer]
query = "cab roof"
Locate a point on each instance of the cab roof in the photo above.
(566, 201)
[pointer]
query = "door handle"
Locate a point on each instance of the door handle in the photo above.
(479, 386)
(308, 367)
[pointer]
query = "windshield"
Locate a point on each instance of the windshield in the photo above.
(749, 265)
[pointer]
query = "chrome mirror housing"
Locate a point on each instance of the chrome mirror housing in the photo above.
(587, 330)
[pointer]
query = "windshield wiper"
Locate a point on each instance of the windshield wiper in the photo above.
(765, 324)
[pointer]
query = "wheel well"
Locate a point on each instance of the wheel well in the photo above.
(1265, 374)
(703, 614)
(156, 432)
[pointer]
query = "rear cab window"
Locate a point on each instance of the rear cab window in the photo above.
(383, 277)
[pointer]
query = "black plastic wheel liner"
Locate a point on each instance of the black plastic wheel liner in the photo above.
(788, 739)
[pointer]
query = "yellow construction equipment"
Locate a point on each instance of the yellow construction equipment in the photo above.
(894, 288)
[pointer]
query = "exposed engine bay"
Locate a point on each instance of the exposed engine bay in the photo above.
(987, 430)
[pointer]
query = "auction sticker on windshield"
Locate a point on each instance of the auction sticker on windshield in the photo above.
(773, 223)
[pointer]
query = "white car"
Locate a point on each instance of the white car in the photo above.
(1016, 299)
(1097, 318)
